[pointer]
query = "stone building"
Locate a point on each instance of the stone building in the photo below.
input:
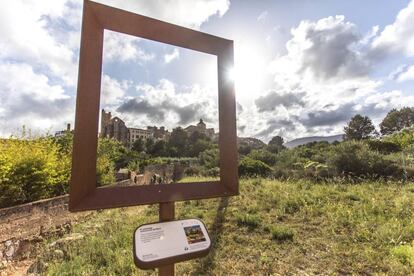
(159, 133)
(201, 128)
(116, 128)
(137, 133)
(61, 133)
(113, 128)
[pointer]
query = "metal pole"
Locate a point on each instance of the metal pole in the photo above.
(166, 213)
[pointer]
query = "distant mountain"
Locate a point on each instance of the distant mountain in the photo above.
(305, 140)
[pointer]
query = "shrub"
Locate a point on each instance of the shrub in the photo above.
(404, 138)
(354, 158)
(251, 167)
(264, 156)
(192, 171)
(105, 171)
(384, 147)
(213, 172)
(281, 233)
(32, 169)
(209, 158)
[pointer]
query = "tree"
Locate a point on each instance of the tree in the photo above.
(159, 148)
(276, 144)
(149, 144)
(177, 143)
(397, 120)
(358, 128)
(138, 145)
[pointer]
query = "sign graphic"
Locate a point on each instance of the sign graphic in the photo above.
(169, 242)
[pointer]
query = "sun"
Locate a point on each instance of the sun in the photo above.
(249, 70)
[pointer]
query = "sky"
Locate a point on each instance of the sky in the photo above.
(302, 67)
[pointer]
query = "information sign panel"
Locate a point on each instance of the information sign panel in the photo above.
(163, 243)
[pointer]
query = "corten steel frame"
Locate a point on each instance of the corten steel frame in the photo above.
(84, 195)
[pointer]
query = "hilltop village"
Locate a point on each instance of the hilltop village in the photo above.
(115, 127)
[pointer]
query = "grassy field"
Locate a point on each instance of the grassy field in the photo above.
(273, 227)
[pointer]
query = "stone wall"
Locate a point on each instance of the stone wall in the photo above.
(24, 225)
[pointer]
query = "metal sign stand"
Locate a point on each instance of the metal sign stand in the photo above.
(166, 213)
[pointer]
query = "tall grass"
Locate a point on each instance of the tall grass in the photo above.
(272, 227)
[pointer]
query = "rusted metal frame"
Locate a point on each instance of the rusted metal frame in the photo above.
(166, 213)
(83, 192)
(87, 109)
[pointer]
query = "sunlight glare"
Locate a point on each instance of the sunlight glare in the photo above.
(248, 72)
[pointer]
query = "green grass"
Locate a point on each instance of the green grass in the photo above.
(272, 227)
(281, 233)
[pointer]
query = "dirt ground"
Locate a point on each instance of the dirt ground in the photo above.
(24, 227)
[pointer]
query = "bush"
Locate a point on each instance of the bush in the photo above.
(251, 167)
(384, 147)
(192, 171)
(209, 158)
(354, 158)
(105, 171)
(213, 172)
(264, 156)
(403, 138)
(32, 169)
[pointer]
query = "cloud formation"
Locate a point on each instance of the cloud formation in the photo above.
(171, 56)
(121, 47)
(187, 13)
(28, 98)
(272, 100)
(170, 105)
(397, 37)
(25, 37)
(325, 49)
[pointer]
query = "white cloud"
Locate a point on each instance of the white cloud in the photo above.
(326, 72)
(325, 49)
(262, 16)
(24, 36)
(408, 74)
(398, 36)
(29, 99)
(169, 105)
(121, 47)
(189, 13)
(171, 56)
(112, 90)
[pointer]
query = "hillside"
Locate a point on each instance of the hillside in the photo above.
(273, 228)
(305, 140)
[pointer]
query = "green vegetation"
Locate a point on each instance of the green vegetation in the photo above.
(397, 120)
(272, 227)
(358, 128)
(33, 168)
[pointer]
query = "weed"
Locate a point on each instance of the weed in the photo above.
(404, 253)
(281, 233)
(248, 220)
(292, 206)
(353, 197)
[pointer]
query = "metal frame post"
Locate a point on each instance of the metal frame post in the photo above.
(166, 213)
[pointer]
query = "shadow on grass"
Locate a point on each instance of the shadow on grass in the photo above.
(207, 263)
